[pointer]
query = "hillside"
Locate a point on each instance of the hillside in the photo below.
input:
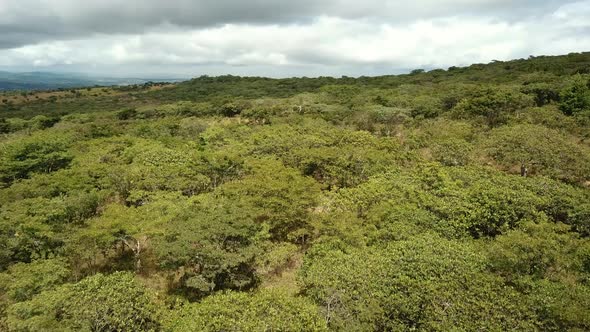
(53, 81)
(453, 199)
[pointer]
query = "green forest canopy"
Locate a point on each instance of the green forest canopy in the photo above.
(444, 200)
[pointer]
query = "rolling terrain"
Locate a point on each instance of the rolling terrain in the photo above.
(450, 199)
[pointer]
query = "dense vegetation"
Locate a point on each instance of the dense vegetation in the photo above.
(445, 200)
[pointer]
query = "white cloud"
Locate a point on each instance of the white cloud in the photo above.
(325, 45)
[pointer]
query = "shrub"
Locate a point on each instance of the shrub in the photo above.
(262, 311)
(575, 97)
(544, 151)
(98, 303)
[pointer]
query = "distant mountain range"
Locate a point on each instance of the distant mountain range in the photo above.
(50, 81)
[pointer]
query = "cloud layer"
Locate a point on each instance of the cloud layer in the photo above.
(282, 38)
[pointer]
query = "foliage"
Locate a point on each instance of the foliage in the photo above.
(98, 303)
(493, 105)
(442, 200)
(39, 153)
(575, 97)
(264, 311)
(542, 150)
(420, 284)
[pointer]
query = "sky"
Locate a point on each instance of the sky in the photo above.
(280, 38)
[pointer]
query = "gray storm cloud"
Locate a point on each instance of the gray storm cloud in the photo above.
(24, 22)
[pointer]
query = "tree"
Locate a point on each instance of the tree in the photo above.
(424, 283)
(21, 282)
(280, 197)
(575, 97)
(127, 114)
(210, 244)
(99, 303)
(260, 311)
(4, 126)
(44, 122)
(542, 150)
(494, 105)
(38, 153)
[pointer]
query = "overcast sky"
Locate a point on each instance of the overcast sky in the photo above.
(185, 38)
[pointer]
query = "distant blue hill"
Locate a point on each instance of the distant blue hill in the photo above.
(10, 81)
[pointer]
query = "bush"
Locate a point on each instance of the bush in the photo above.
(539, 251)
(126, 114)
(4, 126)
(544, 93)
(544, 151)
(420, 284)
(575, 97)
(98, 303)
(494, 105)
(452, 152)
(19, 159)
(263, 311)
(43, 122)
(23, 281)
(231, 109)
